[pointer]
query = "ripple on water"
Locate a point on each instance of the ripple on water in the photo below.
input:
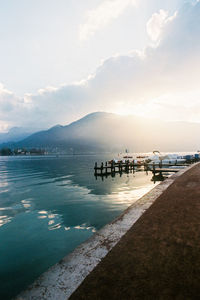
(48, 206)
(4, 220)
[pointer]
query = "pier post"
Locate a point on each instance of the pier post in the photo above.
(127, 166)
(112, 167)
(120, 167)
(154, 168)
(146, 167)
(102, 168)
(134, 165)
(160, 164)
(95, 168)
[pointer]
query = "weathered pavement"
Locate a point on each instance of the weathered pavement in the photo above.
(159, 257)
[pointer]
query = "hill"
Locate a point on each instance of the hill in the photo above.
(100, 132)
(16, 134)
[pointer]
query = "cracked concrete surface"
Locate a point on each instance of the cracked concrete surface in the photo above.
(61, 280)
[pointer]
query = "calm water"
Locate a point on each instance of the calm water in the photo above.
(49, 205)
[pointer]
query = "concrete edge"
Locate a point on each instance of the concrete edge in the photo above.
(61, 280)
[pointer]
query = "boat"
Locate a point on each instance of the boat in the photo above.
(157, 158)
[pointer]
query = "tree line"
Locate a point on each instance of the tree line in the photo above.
(34, 151)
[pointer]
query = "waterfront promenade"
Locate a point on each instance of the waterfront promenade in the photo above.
(159, 256)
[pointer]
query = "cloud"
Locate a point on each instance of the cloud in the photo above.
(100, 17)
(124, 83)
(157, 22)
(8, 102)
(14, 110)
(173, 107)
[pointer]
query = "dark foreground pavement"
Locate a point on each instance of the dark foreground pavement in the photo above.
(159, 257)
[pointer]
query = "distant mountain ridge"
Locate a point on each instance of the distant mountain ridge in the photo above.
(16, 134)
(107, 132)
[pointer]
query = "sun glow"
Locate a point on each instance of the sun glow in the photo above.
(168, 107)
(142, 110)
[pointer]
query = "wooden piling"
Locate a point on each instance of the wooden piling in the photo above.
(160, 164)
(154, 168)
(101, 168)
(110, 168)
(95, 168)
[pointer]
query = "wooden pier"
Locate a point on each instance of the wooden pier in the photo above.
(164, 170)
(110, 168)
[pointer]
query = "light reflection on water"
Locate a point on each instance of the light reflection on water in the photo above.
(4, 220)
(49, 205)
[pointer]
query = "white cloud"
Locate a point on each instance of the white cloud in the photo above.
(100, 17)
(8, 101)
(176, 106)
(157, 23)
(47, 90)
(171, 68)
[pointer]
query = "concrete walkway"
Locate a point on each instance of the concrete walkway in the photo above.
(159, 257)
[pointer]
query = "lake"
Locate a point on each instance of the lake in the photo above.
(49, 205)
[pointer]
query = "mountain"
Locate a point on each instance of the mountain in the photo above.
(16, 134)
(100, 132)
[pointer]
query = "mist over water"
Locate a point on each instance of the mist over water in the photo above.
(49, 205)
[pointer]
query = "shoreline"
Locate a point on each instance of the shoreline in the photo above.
(159, 257)
(62, 279)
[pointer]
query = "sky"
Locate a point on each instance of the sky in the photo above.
(60, 60)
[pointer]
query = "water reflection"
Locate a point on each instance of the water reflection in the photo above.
(4, 220)
(54, 221)
(26, 203)
(67, 187)
(50, 205)
(159, 178)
